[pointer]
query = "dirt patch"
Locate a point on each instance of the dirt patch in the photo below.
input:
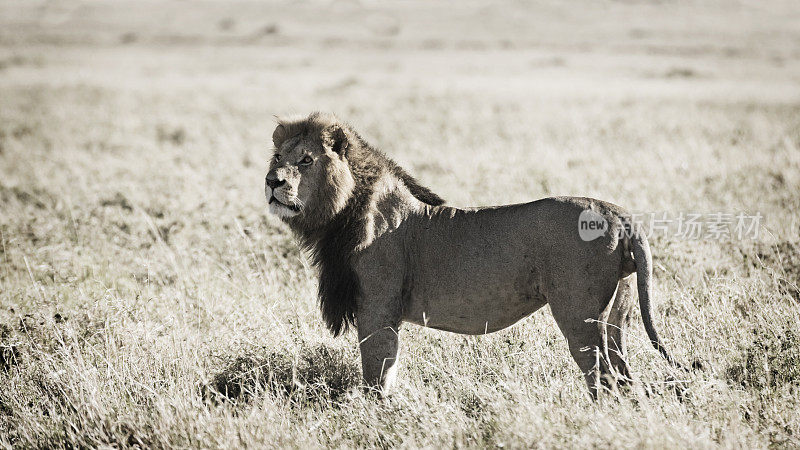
(175, 136)
(35, 197)
(118, 200)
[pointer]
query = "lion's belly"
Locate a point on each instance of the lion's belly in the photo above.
(474, 286)
(471, 316)
(473, 301)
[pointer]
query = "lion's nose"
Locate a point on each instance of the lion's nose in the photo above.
(273, 181)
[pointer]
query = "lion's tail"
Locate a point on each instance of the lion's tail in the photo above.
(644, 275)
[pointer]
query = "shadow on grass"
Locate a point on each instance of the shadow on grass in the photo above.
(315, 374)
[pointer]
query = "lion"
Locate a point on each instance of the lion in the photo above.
(389, 251)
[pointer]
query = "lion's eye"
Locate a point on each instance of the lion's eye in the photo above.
(277, 157)
(306, 161)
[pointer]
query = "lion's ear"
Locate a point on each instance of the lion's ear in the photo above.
(335, 139)
(279, 135)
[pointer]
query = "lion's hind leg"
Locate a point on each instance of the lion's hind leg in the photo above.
(614, 322)
(586, 344)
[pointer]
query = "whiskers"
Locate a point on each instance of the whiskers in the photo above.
(297, 204)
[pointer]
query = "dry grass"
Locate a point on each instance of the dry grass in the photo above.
(147, 300)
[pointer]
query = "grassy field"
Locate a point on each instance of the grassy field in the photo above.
(147, 299)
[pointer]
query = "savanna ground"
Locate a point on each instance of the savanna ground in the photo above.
(146, 298)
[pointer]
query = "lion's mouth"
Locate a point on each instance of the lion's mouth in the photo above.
(295, 208)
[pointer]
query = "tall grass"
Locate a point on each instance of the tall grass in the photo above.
(146, 299)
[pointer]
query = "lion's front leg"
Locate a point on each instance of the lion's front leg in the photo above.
(380, 350)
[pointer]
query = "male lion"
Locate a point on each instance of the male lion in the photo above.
(388, 252)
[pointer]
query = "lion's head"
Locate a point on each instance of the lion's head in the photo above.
(308, 176)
